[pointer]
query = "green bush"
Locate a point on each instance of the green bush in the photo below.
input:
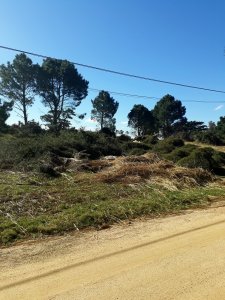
(200, 158)
(27, 153)
(210, 137)
(176, 155)
(194, 162)
(151, 139)
(180, 153)
(8, 235)
(219, 157)
(168, 145)
(124, 138)
(137, 151)
(132, 145)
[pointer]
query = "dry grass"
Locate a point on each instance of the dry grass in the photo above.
(92, 166)
(32, 205)
(138, 169)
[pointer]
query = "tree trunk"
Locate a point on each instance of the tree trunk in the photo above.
(24, 107)
(101, 124)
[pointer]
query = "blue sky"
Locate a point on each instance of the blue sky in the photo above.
(179, 41)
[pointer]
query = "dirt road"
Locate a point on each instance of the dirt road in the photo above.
(178, 257)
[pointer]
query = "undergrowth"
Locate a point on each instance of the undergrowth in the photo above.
(33, 206)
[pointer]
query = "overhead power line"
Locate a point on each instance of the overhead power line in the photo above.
(119, 72)
(125, 94)
(151, 97)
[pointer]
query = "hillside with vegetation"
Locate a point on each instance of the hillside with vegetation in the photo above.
(55, 178)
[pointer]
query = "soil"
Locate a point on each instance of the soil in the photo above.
(177, 257)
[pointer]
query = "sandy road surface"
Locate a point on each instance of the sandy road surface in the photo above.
(179, 257)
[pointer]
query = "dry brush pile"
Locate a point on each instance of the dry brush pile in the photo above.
(150, 168)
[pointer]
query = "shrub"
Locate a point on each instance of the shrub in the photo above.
(180, 153)
(210, 137)
(151, 139)
(194, 162)
(219, 157)
(28, 153)
(108, 132)
(63, 151)
(124, 138)
(131, 145)
(8, 235)
(137, 151)
(168, 145)
(176, 155)
(200, 158)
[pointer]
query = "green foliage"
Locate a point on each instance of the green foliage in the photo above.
(219, 157)
(28, 152)
(221, 126)
(136, 151)
(109, 132)
(187, 130)
(214, 135)
(141, 120)
(18, 83)
(56, 205)
(8, 235)
(124, 138)
(104, 109)
(31, 129)
(5, 108)
(168, 145)
(211, 137)
(151, 139)
(191, 156)
(167, 111)
(62, 89)
(179, 153)
(133, 148)
(202, 158)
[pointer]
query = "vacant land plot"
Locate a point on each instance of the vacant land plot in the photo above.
(33, 205)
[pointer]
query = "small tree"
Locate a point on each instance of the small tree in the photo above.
(188, 129)
(18, 83)
(5, 108)
(211, 125)
(141, 120)
(104, 109)
(62, 89)
(167, 112)
(220, 128)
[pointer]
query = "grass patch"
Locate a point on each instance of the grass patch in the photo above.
(33, 206)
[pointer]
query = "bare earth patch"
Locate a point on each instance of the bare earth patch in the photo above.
(178, 257)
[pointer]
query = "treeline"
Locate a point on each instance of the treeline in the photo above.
(57, 82)
(61, 89)
(168, 119)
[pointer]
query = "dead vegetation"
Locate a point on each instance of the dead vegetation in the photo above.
(149, 168)
(98, 193)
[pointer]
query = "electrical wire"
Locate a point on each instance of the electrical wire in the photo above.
(119, 72)
(151, 97)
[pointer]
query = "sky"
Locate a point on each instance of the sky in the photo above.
(178, 40)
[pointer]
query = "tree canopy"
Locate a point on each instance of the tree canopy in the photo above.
(104, 109)
(167, 111)
(18, 83)
(221, 125)
(141, 120)
(5, 108)
(62, 89)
